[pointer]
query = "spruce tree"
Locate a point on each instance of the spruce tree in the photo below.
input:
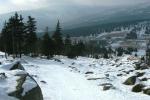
(132, 34)
(68, 45)
(31, 37)
(58, 41)
(12, 35)
(147, 30)
(47, 45)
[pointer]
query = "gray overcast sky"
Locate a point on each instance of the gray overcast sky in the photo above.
(16, 5)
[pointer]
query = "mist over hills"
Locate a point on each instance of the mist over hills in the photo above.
(83, 18)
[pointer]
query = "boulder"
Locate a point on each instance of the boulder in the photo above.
(107, 86)
(144, 79)
(146, 91)
(89, 72)
(138, 88)
(27, 89)
(13, 66)
(138, 74)
(23, 86)
(141, 66)
(131, 80)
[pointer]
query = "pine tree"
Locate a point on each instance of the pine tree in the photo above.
(132, 34)
(147, 30)
(47, 45)
(31, 37)
(80, 49)
(68, 45)
(3, 39)
(12, 35)
(120, 51)
(58, 41)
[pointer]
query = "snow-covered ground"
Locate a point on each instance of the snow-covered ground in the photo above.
(84, 78)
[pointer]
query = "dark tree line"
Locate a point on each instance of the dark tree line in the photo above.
(18, 37)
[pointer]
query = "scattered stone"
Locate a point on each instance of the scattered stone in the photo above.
(43, 82)
(3, 76)
(141, 66)
(107, 75)
(144, 79)
(89, 72)
(57, 60)
(138, 74)
(119, 74)
(107, 86)
(131, 80)
(138, 88)
(94, 78)
(146, 91)
(13, 66)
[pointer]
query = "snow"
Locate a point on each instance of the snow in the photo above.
(8, 85)
(2, 54)
(66, 80)
(28, 85)
(61, 83)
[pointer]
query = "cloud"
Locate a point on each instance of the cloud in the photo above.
(16, 5)
(109, 2)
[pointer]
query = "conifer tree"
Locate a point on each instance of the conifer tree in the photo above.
(68, 45)
(12, 35)
(31, 37)
(58, 41)
(47, 45)
(132, 34)
(147, 30)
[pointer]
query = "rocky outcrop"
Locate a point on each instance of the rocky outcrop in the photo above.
(13, 66)
(138, 88)
(26, 88)
(141, 66)
(131, 80)
(146, 91)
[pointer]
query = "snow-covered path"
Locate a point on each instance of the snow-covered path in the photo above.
(59, 81)
(61, 84)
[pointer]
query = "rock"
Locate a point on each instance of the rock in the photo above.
(107, 86)
(137, 66)
(43, 82)
(119, 74)
(138, 88)
(3, 76)
(89, 73)
(23, 87)
(138, 74)
(141, 66)
(73, 63)
(107, 75)
(17, 65)
(94, 78)
(23, 93)
(144, 79)
(131, 80)
(57, 60)
(13, 66)
(146, 91)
